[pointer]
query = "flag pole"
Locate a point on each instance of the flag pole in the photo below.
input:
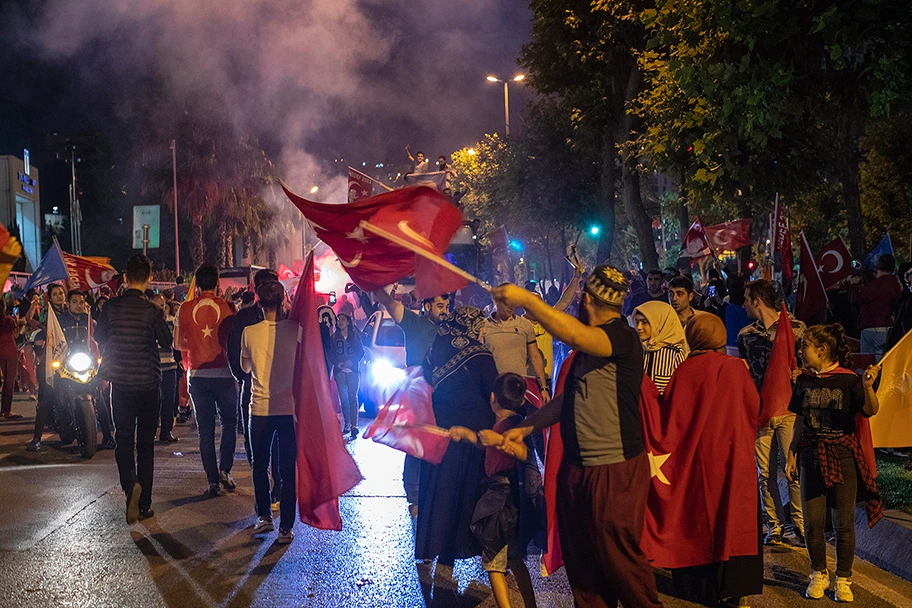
(376, 181)
(423, 253)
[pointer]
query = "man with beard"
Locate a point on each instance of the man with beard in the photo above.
(604, 463)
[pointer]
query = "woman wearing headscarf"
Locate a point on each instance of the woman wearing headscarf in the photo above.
(705, 427)
(462, 372)
(663, 341)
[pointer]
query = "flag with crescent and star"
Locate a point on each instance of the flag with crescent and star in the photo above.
(419, 215)
(325, 469)
(703, 501)
(812, 296)
(777, 381)
(360, 186)
(730, 235)
(201, 331)
(834, 262)
(696, 244)
(87, 274)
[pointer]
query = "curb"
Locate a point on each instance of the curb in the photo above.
(888, 545)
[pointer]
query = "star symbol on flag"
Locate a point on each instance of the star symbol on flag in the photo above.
(655, 466)
(207, 333)
(357, 234)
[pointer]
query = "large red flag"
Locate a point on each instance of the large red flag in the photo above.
(696, 244)
(553, 558)
(782, 242)
(325, 469)
(812, 296)
(419, 215)
(406, 420)
(834, 262)
(730, 235)
(777, 383)
(702, 504)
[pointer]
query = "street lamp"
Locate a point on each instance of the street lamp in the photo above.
(517, 78)
(315, 189)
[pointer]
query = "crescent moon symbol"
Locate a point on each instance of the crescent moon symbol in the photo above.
(92, 284)
(407, 231)
(355, 261)
(204, 303)
(839, 261)
(802, 283)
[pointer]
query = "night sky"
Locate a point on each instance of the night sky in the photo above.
(314, 81)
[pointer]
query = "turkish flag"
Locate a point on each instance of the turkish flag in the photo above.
(285, 272)
(325, 469)
(419, 215)
(777, 383)
(702, 504)
(834, 262)
(696, 245)
(86, 273)
(782, 243)
(730, 235)
(406, 420)
(812, 296)
(360, 186)
(553, 559)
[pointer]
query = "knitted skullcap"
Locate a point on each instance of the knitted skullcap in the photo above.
(607, 284)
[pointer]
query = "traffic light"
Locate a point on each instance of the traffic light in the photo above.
(594, 230)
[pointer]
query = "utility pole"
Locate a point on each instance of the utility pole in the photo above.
(146, 239)
(177, 263)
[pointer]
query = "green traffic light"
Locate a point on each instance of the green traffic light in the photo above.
(594, 231)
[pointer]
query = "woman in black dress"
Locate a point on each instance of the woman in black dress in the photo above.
(462, 372)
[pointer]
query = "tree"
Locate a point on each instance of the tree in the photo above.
(584, 52)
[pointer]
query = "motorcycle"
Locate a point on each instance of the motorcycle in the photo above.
(76, 394)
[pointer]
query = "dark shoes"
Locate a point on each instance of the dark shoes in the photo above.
(133, 504)
(214, 490)
(774, 536)
(354, 432)
(107, 444)
(168, 438)
(33, 446)
(146, 514)
(227, 481)
(10, 416)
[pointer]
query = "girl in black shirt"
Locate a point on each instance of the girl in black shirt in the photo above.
(826, 455)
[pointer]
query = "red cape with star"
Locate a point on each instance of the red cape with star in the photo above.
(702, 505)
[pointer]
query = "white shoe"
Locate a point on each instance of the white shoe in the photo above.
(819, 582)
(843, 590)
(263, 525)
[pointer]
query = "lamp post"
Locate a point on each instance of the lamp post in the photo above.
(517, 78)
(177, 262)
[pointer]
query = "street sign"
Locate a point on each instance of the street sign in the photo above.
(146, 215)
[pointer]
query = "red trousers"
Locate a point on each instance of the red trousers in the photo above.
(9, 368)
(600, 512)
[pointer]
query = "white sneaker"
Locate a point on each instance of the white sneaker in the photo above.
(285, 536)
(843, 590)
(263, 525)
(819, 582)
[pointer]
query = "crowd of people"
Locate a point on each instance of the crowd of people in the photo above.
(493, 373)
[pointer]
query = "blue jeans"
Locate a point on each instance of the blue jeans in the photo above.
(209, 394)
(265, 431)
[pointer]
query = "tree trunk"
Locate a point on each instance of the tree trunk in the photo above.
(849, 161)
(636, 213)
(608, 195)
(682, 211)
(198, 251)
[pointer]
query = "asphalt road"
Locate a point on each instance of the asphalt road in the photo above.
(64, 542)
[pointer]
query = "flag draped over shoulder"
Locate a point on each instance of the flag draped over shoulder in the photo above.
(406, 420)
(419, 215)
(10, 251)
(702, 504)
(776, 391)
(325, 469)
(892, 426)
(812, 296)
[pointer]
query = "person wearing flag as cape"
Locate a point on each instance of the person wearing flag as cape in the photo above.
(827, 453)
(605, 463)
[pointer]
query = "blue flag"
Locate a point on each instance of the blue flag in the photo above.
(885, 246)
(51, 269)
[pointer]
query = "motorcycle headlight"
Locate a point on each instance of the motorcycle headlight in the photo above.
(79, 362)
(385, 374)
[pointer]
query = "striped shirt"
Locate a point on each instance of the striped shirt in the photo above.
(661, 364)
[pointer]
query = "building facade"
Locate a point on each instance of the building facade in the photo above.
(20, 205)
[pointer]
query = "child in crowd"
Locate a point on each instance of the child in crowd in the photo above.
(826, 455)
(510, 513)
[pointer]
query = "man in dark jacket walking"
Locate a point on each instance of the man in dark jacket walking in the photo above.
(130, 331)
